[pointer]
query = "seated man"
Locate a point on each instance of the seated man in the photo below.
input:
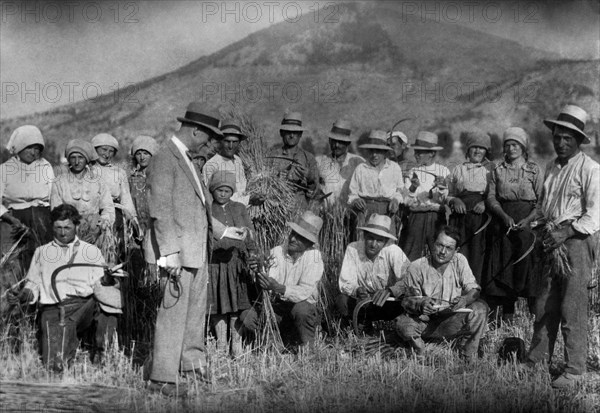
(370, 267)
(297, 268)
(441, 298)
(67, 278)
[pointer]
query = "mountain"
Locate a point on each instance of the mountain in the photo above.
(370, 64)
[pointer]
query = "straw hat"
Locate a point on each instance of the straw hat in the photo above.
(427, 141)
(377, 140)
(105, 139)
(292, 122)
(308, 225)
(341, 131)
(571, 117)
(109, 298)
(146, 143)
(195, 115)
(516, 134)
(222, 178)
(23, 137)
(379, 225)
(230, 127)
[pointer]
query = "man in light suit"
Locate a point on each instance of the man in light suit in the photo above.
(182, 228)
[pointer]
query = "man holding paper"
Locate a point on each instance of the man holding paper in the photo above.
(441, 298)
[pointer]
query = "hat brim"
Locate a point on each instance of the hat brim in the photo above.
(551, 123)
(297, 228)
(233, 132)
(292, 128)
(341, 138)
(216, 131)
(375, 146)
(379, 232)
(425, 148)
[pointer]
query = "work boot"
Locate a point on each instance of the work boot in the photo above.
(566, 381)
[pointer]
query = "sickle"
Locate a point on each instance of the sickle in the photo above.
(485, 224)
(528, 249)
(362, 303)
(398, 123)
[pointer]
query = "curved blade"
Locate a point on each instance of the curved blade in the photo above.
(485, 224)
(398, 123)
(359, 306)
(528, 251)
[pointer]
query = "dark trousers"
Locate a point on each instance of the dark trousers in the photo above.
(60, 342)
(564, 302)
(467, 326)
(345, 305)
(179, 332)
(297, 321)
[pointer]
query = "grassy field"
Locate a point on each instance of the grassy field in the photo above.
(337, 375)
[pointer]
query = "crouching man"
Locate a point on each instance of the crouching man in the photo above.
(370, 267)
(297, 268)
(67, 279)
(442, 298)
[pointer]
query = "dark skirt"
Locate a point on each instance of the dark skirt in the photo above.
(472, 246)
(501, 277)
(419, 232)
(37, 219)
(229, 280)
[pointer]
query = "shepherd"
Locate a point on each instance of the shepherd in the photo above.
(570, 208)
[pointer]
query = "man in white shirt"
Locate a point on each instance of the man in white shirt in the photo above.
(336, 169)
(67, 278)
(297, 268)
(369, 267)
(571, 202)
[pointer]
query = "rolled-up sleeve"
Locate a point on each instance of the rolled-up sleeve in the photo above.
(589, 222)
(348, 281)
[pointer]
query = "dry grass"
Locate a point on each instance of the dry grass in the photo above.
(337, 375)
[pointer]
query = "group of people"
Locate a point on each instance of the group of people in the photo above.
(432, 249)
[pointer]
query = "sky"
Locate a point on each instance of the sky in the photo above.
(57, 52)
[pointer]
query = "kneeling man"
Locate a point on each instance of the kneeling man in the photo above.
(371, 266)
(67, 278)
(442, 298)
(297, 268)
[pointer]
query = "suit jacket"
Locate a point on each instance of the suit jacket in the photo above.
(181, 222)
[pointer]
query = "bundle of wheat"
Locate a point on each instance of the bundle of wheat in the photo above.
(556, 264)
(334, 239)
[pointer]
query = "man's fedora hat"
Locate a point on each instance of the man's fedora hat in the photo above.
(341, 131)
(571, 117)
(379, 225)
(195, 115)
(308, 226)
(377, 140)
(230, 127)
(292, 122)
(427, 141)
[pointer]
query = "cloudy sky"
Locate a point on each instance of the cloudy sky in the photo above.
(56, 52)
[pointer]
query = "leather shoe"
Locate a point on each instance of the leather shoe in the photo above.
(168, 389)
(566, 381)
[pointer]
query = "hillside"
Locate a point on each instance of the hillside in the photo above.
(372, 66)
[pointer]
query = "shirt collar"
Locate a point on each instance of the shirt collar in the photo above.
(69, 245)
(573, 159)
(180, 145)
